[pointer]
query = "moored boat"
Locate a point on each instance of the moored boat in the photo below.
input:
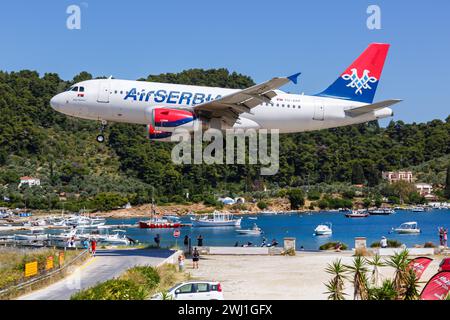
(408, 228)
(156, 223)
(218, 219)
(381, 212)
(357, 214)
(253, 231)
(323, 229)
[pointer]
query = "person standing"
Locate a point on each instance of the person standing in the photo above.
(445, 237)
(441, 236)
(93, 247)
(383, 242)
(181, 262)
(186, 243)
(157, 240)
(200, 241)
(195, 258)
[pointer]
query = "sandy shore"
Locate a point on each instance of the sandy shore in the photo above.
(301, 277)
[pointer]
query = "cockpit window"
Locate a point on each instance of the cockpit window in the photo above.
(75, 89)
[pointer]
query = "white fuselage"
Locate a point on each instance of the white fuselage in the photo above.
(133, 101)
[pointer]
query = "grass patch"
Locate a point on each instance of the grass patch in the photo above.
(13, 260)
(137, 283)
(12, 265)
(332, 246)
(390, 243)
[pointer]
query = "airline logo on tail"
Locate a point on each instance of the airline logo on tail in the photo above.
(360, 80)
(359, 83)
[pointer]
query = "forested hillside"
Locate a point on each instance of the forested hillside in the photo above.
(63, 153)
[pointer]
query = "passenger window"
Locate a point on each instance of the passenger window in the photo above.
(278, 104)
(81, 89)
(115, 92)
(202, 287)
(121, 92)
(187, 288)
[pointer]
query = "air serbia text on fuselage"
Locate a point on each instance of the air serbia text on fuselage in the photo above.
(170, 97)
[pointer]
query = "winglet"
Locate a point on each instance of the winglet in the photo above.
(294, 77)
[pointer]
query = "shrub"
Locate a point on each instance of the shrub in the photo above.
(115, 289)
(177, 199)
(262, 205)
(145, 276)
(314, 195)
(297, 198)
(390, 243)
(429, 245)
(332, 246)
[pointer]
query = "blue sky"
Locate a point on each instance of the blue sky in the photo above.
(131, 39)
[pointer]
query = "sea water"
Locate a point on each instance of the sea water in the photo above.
(301, 226)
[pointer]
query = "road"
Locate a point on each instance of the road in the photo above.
(107, 264)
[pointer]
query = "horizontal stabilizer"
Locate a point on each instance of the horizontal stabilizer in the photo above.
(371, 107)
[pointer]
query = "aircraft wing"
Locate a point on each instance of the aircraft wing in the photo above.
(229, 107)
(371, 107)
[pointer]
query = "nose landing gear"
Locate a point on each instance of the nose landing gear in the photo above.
(101, 138)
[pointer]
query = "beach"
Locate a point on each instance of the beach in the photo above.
(300, 277)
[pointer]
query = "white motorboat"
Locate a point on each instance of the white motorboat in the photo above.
(381, 212)
(269, 212)
(114, 239)
(408, 228)
(323, 229)
(218, 219)
(253, 231)
(34, 235)
(252, 218)
(418, 209)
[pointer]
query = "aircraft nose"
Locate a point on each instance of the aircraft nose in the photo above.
(55, 102)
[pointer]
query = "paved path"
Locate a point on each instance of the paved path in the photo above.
(106, 265)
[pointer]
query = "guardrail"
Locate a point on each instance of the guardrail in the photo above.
(47, 275)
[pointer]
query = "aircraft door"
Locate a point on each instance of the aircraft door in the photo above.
(319, 110)
(104, 91)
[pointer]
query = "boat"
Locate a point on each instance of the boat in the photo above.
(252, 218)
(408, 228)
(381, 212)
(269, 212)
(253, 231)
(114, 239)
(218, 219)
(357, 214)
(156, 223)
(418, 209)
(323, 229)
(171, 218)
(34, 235)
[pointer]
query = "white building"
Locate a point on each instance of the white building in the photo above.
(227, 200)
(395, 176)
(424, 188)
(30, 181)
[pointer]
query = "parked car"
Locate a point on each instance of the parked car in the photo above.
(192, 290)
(444, 265)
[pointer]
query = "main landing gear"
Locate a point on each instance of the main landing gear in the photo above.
(101, 137)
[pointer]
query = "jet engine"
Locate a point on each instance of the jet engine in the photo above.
(167, 119)
(158, 135)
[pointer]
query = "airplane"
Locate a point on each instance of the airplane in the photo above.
(164, 107)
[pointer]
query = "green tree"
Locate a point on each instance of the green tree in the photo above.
(296, 198)
(357, 174)
(447, 183)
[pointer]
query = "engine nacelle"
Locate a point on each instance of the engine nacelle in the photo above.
(158, 135)
(167, 120)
